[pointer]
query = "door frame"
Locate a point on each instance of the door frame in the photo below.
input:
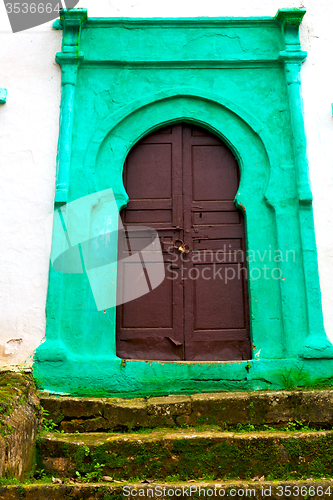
(252, 153)
(288, 337)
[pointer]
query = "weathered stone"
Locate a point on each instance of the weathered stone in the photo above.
(2, 455)
(126, 413)
(189, 420)
(165, 491)
(21, 439)
(169, 405)
(51, 405)
(60, 464)
(310, 407)
(89, 425)
(81, 407)
(258, 408)
(225, 410)
(20, 418)
(218, 408)
(191, 454)
(160, 421)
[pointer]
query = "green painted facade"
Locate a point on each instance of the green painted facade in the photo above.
(3, 96)
(240, 79)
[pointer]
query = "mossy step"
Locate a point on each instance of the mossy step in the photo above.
(315, 408)
(284, 490)
(188, 454)
(165, 491)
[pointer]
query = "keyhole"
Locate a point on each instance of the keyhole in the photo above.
(200, 215)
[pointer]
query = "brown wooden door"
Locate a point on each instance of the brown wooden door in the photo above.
(182, 181)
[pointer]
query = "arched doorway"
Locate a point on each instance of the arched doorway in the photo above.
(182, 180)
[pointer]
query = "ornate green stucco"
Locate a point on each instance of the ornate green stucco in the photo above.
(3, 96)
(240, 79)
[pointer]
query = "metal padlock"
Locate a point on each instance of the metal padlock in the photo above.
(181, 247)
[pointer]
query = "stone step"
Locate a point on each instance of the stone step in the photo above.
(188, 454)
(314, 408)
(283, 490)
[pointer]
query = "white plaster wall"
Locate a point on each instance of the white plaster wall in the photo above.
(28, 142)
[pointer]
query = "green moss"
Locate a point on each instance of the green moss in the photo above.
(185, 459)
(7, 480)
(109, 496)
(20, 492)
(66, 450)
(80, 457)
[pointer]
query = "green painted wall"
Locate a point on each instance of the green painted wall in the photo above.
(239, 78)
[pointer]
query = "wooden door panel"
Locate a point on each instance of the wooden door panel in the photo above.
(147, 216)
(148, 159)
(151, 326)
(153, 310)
(213, 232)
(149, 348)
(220, 246)
(182, 181)
(221, 350)
(213, 206)
(208, 312)
(208, 257)
(214, 172)
(146, 325)
(216, 303)
(203, 218)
